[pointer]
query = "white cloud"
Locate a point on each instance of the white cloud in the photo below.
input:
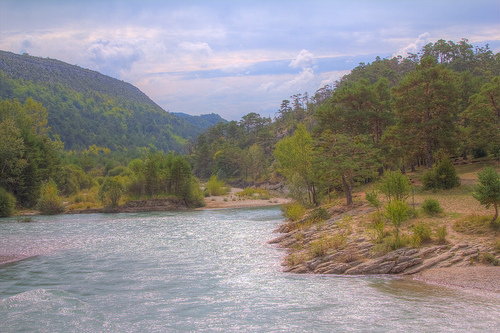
(197, 48)
(304, 59)
(414, 46)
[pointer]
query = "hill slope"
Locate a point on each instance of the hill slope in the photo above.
(88, 108)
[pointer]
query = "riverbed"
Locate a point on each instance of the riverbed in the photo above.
(208, 270)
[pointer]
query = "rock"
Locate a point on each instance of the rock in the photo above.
(456, 259)
(312, 264)
(411, 252)
(469, 252)
(430, 250)
(300, 269)
(372, 267)
(400, 267)
(429, 263)
(458, 246)
(337, 268)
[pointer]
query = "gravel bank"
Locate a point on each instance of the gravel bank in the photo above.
(481, 278)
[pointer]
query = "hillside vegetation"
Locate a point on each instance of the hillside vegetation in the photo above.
(87, 108)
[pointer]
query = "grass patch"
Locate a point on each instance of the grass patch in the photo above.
(473, 225)
(488, 258)
(319, 247)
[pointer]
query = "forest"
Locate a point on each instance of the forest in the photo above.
(422, 111)
(439, 105)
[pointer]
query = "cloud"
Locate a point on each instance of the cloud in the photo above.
(304, 59)
(198, 48)
(414, 46)
(113, 56)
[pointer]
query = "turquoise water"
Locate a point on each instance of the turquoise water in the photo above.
(208, 270)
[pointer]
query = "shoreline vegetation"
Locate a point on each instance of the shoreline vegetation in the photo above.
(456, 246)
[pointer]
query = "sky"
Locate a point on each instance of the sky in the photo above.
(236, 57)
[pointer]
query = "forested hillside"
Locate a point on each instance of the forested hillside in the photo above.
(398, 113)
(87, 108)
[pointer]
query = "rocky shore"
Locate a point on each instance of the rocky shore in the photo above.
(352, 253)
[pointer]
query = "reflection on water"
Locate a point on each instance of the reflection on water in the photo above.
(203, 271)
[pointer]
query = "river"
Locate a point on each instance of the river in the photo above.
(207, 270)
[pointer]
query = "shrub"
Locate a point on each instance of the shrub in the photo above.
(50, 203)
(294, 259)
(431, 206)
(346, 224)
(216, 187)
(421, 233)
(372, 198)
(320, 214)
(444, 176)
(379, 226)
(489, 258)
(396, 242)
(319, 247)
(441, 234)
(7, 203)
(496, 245)
(293, 211)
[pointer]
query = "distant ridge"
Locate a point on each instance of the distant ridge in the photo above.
(86, 107)
(55, 71)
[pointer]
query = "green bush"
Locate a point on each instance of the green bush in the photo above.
(320, 214)
(50, 203)
(441, 234)
(444, 176)
(397, 212)
(293, 211)
(372, 198)
(431, 206)
(7, 203)
(216, 187)
(421, 234)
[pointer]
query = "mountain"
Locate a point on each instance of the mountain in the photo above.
(88, 108)
(203, 121)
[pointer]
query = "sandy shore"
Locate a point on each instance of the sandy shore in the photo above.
(231, 200)
(476, 278)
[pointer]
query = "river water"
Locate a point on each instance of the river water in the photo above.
(208, 270)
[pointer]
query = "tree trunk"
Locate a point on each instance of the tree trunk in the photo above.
(430, 162)
(347, 190)
(496, 213)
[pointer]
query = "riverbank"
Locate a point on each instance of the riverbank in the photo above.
(472, 278)
(344, 244)
(231, 200)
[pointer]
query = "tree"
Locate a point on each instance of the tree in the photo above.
(344, 158)
(295, 157)
(50, 202)
(396, 186)
(487, 191)
(7, 203)
(111, 191)
(426, 107)
(397, 212)
(482, 117)
(358, 108)
(256, 160)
